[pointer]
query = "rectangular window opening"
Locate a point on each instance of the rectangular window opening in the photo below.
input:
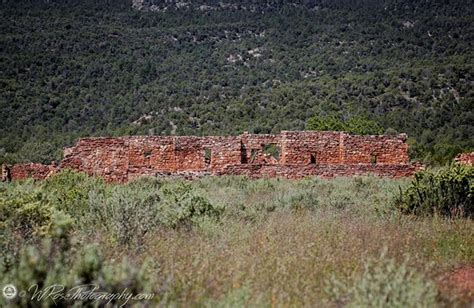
(243, 155)
(373, 159)
(207, 156)
(313, 159)
(272, 150)
(253, 155)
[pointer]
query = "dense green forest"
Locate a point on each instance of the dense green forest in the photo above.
(81, 68)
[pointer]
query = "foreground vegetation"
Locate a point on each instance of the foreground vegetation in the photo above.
(230, 241)
(97, 67)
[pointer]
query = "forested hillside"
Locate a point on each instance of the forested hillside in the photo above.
(81, 68)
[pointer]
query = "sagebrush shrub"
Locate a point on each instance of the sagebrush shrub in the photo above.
(300, 200)
(384, 283)
(183, 206)
(126, 212)
(27, 212)
(448, 192)
(129, 212)
(69, 190)
(57, 263)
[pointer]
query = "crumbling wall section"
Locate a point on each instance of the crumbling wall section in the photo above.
(291, 154)
(29, 170)
(223, 151)
(149, 154)
(253, 148)
(391, 150)
(304, 148)
(465, 159)
(105, 157)
(324, 171)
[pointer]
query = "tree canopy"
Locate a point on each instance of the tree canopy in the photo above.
(89, 68)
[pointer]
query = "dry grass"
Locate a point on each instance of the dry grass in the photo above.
(286, 256)
(279, 243)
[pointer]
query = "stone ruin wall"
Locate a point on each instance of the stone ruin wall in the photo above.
(296, 154)
(23, 171)
(465, 159)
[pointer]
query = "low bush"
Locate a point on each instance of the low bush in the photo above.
(129, 212)
(25, 210)
(384, 283)
(52, 272)
(126, 212)
(182, 206)
(447, 192)
(68, 191)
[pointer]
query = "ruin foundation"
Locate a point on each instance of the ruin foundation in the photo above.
(290, 154)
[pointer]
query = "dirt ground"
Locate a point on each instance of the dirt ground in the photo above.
(458, 283)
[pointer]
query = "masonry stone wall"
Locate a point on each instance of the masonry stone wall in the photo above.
(290, 154)
(465, 159)
(27, 170)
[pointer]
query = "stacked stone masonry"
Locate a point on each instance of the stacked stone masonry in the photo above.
(465, 159)
(27, 170)
(290, 154)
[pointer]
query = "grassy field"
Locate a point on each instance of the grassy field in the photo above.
(230, 242)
